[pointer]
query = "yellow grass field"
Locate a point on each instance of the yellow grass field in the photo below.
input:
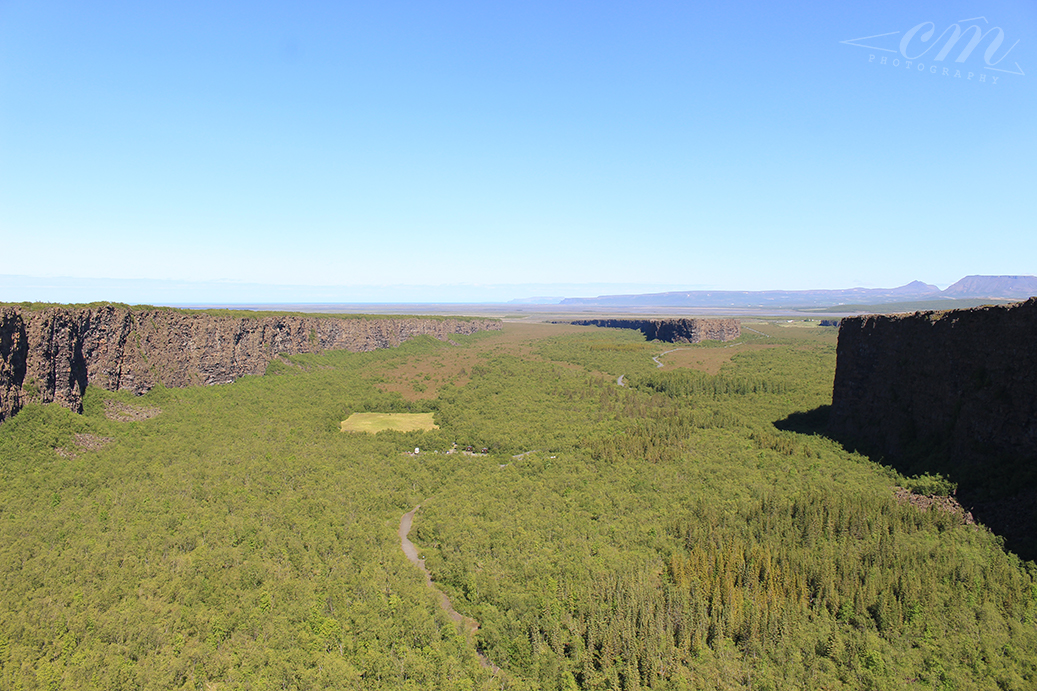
(376, 422)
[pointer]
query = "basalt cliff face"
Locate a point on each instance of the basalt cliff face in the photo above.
(964, 378)
(952, 392)
(674, 330)
(54, 354)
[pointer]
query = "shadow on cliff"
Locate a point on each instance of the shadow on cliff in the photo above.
(1004, 500)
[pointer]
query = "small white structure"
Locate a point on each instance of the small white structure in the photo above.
(416, 450)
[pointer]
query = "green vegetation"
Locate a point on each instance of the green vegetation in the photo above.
(659, 535)
(379, 422)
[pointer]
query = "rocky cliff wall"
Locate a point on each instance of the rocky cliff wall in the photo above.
(950, 392)
(54, 354)
(963, 379)
(674, 330)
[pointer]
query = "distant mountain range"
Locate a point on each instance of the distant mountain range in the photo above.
(970, 287)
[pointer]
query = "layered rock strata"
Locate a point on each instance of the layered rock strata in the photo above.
(691, 330)
(52, 355)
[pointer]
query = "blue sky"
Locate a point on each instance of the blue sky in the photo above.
(625, 146)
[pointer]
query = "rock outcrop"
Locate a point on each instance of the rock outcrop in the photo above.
(953, 392)
(52, 355)
(674, 330)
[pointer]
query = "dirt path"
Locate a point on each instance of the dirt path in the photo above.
(468, 625)
(665, 352)
(674, 350)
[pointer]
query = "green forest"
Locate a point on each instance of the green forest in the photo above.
(661, 533)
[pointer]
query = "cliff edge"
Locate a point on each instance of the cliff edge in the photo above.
(52, 355)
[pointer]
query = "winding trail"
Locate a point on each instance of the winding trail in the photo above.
(468, 625)
(665, 352)
(674, 350)
(655, 358)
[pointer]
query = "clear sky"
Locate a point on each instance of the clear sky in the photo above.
(658, 145)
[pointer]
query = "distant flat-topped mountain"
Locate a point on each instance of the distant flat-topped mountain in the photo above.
(984, 287)
(1020, 287)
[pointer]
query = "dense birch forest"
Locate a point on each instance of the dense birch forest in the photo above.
(657, 532)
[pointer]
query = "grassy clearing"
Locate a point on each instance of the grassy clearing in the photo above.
(378, 422)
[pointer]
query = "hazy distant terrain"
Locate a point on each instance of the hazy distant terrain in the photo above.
(503, 300)
(968, 288)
